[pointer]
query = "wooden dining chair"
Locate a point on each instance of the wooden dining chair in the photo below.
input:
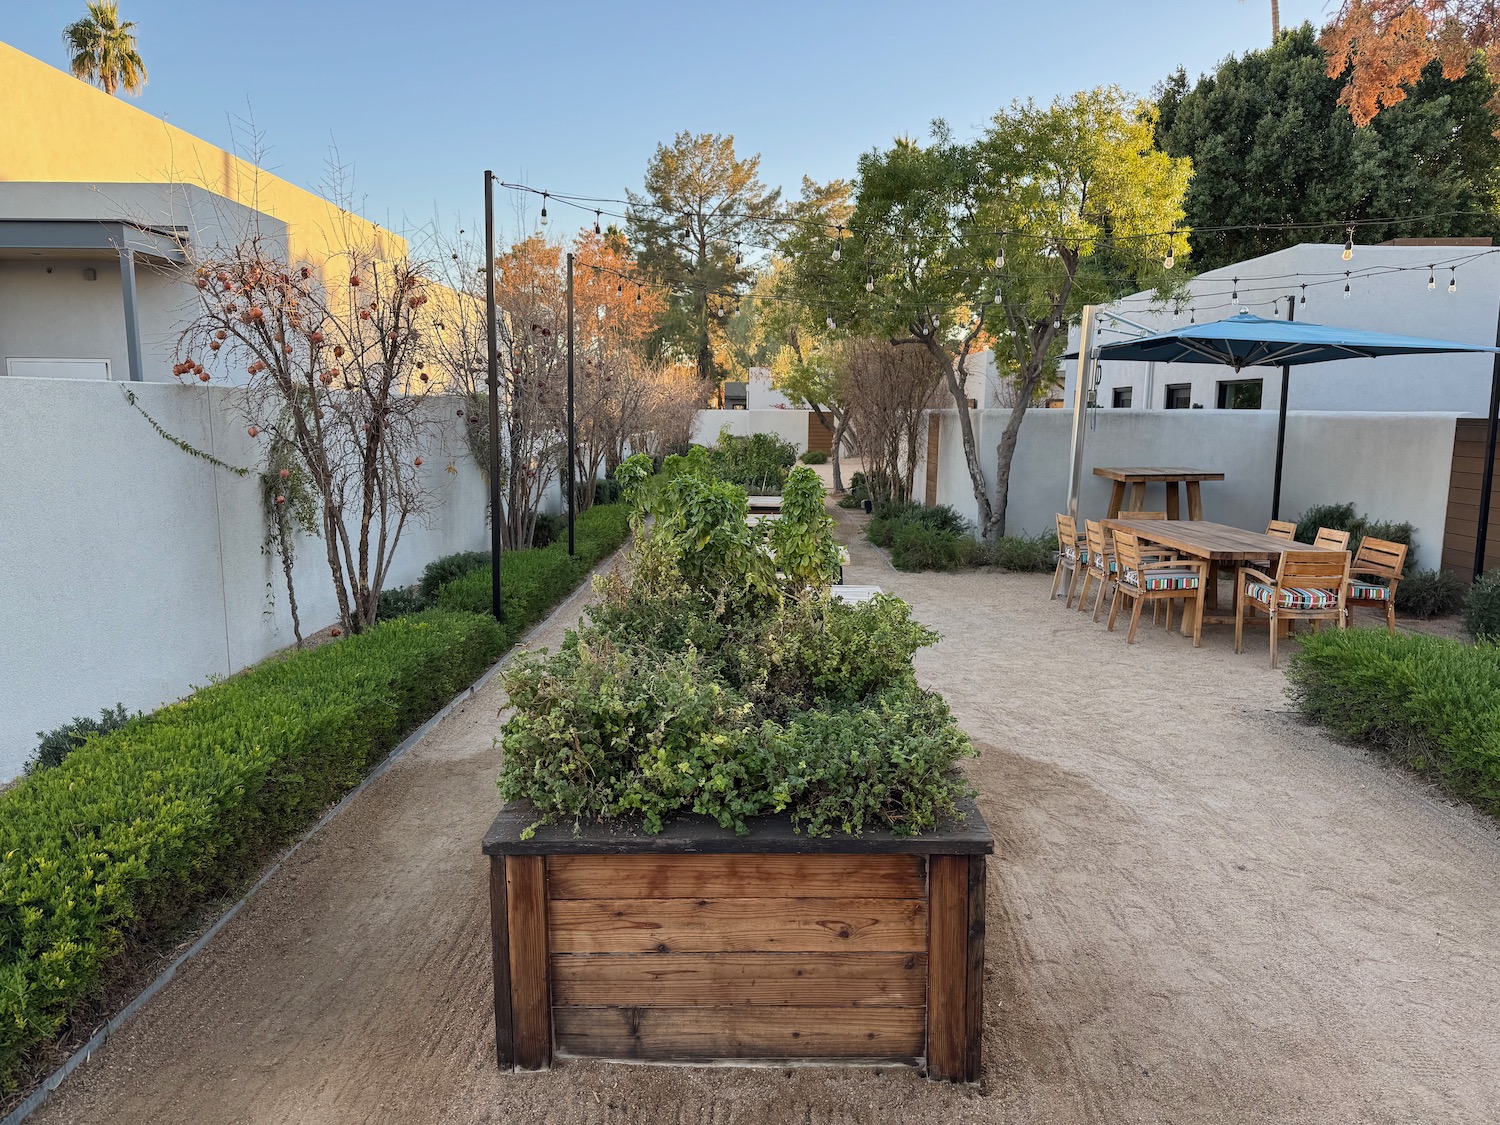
(1101, 566)
(1072, 556)
(1281, 529)
(1308, 586)
(1373, 577)
(1331, 539)
(1154, 574)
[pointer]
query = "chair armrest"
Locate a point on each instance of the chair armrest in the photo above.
(1250, 572)
(1175, 563)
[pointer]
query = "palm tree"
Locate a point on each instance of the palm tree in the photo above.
(103, 49)
(1275, 21)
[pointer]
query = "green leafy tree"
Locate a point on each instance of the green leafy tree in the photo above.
(701, 207)
(102, 49)
(954, 247)
(1272, 145)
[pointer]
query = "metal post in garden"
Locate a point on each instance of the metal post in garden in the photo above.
(1286, 378)
(1487, 480)
(497, 606)
(572, 453)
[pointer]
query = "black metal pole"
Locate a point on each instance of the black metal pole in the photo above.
(572, 453)
(497, 606)
(1487, 482)
(1286, 376)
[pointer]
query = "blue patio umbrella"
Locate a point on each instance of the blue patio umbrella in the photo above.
(1253, 341)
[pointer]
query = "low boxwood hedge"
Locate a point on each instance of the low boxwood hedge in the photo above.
(1431, 703)
(134, 827)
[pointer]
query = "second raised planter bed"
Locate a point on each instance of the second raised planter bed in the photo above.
(699, 945)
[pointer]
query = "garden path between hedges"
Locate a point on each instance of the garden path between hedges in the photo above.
(1201, 910)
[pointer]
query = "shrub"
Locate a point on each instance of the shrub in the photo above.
(806, 551)
(917, 547)
(550, 527)
(134, 827)
(1431, 703)
(400, 601)
(1429, 593)
(815, 457)
(441, 571)
(857, 493)
(1342, 517)
(57, 744)
(758, 462)
(1482, 610)
(608, 491)
(1024, 552)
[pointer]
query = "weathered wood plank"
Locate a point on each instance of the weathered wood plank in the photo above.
(735, 876)
(526, 910)
(721, 1032)
(706, 925)
(974, 1002)
(505, 1051)
(674, 980)
(947, 966)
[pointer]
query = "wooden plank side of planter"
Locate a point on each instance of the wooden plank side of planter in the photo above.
(738, 925)
(505, 1047)
(725, 1032)
(736, 876)
(974, 1013)
(814, 980)
(948, 962)
(526, 913)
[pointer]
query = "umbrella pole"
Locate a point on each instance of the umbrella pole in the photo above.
(1487, 483)
(1286, 375)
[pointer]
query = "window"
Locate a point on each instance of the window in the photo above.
(1240, 394)
(1122, 398)
(1179, 396)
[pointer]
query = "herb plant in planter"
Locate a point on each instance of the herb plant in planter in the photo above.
(735, 827)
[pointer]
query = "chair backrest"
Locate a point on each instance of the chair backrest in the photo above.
(1067, 532)
(1127, 550)
(1379, 556)
(1281, 529)
(1328, 537)
(1142, 515)
(1094, 532)
(1314, 570)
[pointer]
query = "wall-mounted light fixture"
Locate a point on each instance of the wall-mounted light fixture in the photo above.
(90, 274)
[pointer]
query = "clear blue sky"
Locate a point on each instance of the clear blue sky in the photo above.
(420, 97)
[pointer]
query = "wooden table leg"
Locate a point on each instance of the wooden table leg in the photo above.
(1138, 496)
(1189, 613)
(1172, 500)
(1195, 499)
(1116, 496)
(1211, 595)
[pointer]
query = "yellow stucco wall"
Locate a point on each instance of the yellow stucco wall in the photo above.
(54, 128)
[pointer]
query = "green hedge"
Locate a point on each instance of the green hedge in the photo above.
(1432, 703)
(533, 581)
(136, 826)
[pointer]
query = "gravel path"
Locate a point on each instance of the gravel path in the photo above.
(1201, 911)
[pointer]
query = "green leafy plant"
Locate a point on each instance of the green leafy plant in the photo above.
(399, 601)
(802, 538)
(1343, 517)
(918, 547)
(1482, 609)
(1026, 553)
(135, 826)
(1431, 703)
(815, 457)
(759, 462)
(441, 571)
(1429, 593)
(57, 744)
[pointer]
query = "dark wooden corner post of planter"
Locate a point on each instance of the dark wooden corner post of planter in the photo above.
(697, 945)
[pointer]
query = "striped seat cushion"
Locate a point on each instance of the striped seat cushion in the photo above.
(1164, 579)
(1100, 560)
(1075, 553)
(1369, 592)
(1294, 598)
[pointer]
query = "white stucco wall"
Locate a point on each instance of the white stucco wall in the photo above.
(134, 571)
(790, 425)
(760, 394)
(1391, 466)
(1381, 299)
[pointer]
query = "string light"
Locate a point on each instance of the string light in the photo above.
(1234, 294)
(1171, 259)
(830, 323)
(620, 289)
(1192, 315)
(869, 281)
(1453, 280)
(1346, 285)
(637, 296)
(998, 297)
(1000, 259)
(544, 208)
(1303, 301)
(1349, 244)
(1431, 279)
(596, 221)
(837, 243)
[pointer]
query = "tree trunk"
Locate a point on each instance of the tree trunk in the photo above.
(966, 430)
(1275, 21)
(284, 549)
(838, 447)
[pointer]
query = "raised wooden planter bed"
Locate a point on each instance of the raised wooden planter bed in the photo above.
(698, 945)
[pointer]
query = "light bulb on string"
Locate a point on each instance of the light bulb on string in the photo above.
(998, 297)
(544, 208)
(620, 289)
(1346, 285)
(1349, 244)
(1303, 299)
(738, 257)
(837, 244)
(1171, 259)
(1192, 316)
(637, 297)
(1234, 294)
(869, 281)
(1000, 259)
(830, 323)
(596, 221)
(1431, 279)
(1453, 281)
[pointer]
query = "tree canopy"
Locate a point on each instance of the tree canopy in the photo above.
(1272, 144)
(102, 49)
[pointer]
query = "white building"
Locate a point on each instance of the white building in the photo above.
(1446, 292)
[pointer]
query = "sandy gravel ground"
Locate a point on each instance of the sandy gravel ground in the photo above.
(1201, 911)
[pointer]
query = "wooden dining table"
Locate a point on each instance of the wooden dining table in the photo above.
(1220, 545)
(1138, 477)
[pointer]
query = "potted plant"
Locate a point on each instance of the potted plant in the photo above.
(733, 823)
